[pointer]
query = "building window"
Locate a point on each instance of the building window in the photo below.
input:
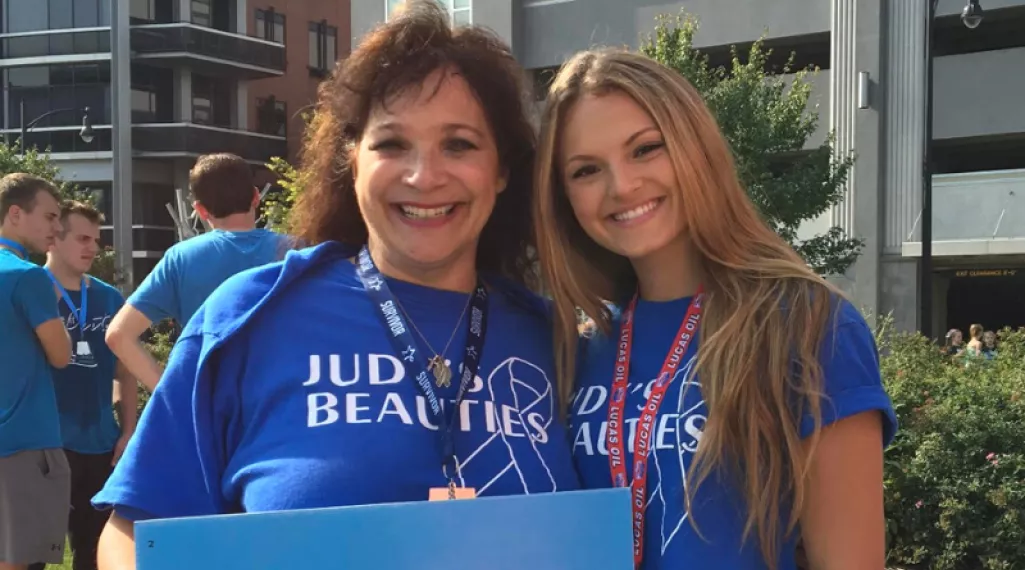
(201, 13)
(270, 25)
(459, 11)
(70, 42)
(272, 116)
(151, 200)
(48, 87)
(152, 94)
(323, 47)
(45, 88)
(145, 10)
(35, 15)
(144, 106)
(212, 101)
(390, 6)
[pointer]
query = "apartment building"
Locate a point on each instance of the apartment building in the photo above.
(206, 76)
(871, 92)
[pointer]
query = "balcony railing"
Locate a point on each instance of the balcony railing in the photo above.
(186, 41)
(975, 213)
(62, 139)
(189, 139)
(45, 43)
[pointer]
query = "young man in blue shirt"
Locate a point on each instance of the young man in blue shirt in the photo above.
(92, 439)
(225, 197)
(35, 481)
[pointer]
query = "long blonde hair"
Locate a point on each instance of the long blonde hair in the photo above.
(766, 311)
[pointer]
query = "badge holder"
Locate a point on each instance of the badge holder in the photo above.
(453, 492)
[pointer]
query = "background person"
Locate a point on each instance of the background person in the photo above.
(34, 475)
(953, 344)
(975, 342)
(227, 198)
(989, 345)
(92, 439)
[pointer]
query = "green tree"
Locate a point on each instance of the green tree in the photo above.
(766, 119)
(39, 164)
(277, 205)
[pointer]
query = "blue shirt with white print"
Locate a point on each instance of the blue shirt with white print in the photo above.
(84, 388)
(852, 385)
(284, 392)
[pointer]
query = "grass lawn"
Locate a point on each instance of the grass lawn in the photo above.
(67, 560)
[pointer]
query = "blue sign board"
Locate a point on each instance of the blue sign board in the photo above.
(577, 530)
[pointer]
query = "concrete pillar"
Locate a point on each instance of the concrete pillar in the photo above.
(856, 118)
(842, 104)
(904, 150)
(183, 95)
(242, 105)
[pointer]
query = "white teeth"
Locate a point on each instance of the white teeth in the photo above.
(638, 211)
(424, 213)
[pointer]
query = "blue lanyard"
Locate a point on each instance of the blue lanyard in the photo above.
(405, 346)
(17, 247)
(80, 314)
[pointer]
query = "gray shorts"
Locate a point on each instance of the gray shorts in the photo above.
(35, 496)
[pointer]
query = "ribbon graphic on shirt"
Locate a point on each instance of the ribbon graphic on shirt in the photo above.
(15, 247)
(615, 437)
(406, 348)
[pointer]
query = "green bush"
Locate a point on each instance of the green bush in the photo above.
(158, 341)
(955, 475)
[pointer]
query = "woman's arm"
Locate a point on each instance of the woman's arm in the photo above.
(843, 524)
(117, 545)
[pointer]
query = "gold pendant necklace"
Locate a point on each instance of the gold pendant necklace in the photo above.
(441, 371)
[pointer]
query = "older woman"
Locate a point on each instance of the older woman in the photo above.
(402, 355)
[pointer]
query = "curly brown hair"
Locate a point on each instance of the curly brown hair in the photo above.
(393, 60)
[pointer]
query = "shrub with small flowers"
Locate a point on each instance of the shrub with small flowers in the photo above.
(955, 475)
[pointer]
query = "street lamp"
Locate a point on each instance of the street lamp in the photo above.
(971, 16)
(86, 134)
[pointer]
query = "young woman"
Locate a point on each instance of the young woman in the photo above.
(402, 355)
(728, 385)
(975, 345)
(989, 345)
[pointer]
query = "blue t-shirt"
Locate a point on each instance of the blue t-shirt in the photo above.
(84, 389)
(300, 400)
(852, 385)
(191, 270)
(28, 409)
